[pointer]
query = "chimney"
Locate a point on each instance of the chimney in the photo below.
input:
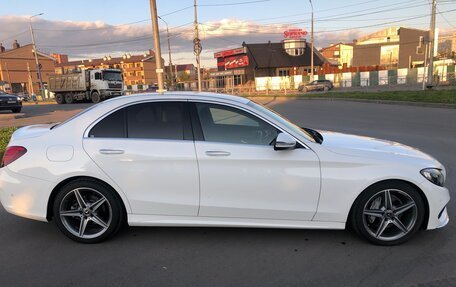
(16, 44)
(2, 49)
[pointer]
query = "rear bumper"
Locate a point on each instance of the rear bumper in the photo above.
(24, 196)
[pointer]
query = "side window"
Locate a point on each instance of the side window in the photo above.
(163, 120)
(97, 76)
(113, 126)
(230, 125)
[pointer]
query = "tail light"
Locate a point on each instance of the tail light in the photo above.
(12, 153)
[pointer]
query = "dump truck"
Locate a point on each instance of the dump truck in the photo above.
(87, 85)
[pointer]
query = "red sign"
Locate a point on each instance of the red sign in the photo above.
(227, 53)
(294, 33)
(236, 62)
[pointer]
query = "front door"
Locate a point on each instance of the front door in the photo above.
(242, 176)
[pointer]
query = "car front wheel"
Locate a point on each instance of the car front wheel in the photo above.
(87, 211)
(388, 214)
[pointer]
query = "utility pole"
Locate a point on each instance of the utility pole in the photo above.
(38, 66)
(312, 40)
(432, 44)
(197, 47)
(170, 62)
(158, 58)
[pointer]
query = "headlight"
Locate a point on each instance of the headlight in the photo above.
(434, 175)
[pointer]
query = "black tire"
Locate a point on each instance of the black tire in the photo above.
(69, 98)
(59, 99)
(110, 212)
(401, 194)
(95, 97)
(16, 110)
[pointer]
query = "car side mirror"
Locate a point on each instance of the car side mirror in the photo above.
(284, 141)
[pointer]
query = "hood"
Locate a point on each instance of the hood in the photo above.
(370, 147)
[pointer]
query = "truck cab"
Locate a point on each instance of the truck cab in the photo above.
(106, 82)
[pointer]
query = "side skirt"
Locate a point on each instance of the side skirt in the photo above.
(163, 220)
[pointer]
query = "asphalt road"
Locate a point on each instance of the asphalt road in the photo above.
(36, 254)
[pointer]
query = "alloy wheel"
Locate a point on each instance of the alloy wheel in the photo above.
(85, 213)
(390, 214)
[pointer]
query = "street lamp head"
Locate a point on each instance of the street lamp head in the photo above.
(36, 15)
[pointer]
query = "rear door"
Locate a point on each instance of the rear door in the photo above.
(147, 149)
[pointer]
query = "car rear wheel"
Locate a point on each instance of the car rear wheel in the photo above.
(16, 110)
(87, 211)
(388, 213)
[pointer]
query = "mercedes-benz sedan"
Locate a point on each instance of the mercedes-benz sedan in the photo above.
(189, 159)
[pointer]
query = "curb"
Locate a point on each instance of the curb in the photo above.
(385, 102)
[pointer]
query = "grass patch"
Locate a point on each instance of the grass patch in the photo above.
(432, 96)
(5, 135)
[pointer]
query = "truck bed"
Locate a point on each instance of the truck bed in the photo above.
(67, 83)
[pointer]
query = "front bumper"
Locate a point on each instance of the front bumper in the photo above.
(10, 107)
(23, 195)
(110, 93)
(438, 198)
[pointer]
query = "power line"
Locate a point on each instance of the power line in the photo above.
(232, 4)
(18, 34)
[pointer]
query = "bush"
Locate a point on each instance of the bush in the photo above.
(5, 135)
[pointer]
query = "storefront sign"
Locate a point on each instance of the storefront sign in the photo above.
(236, 62)
(231, 52)
(294, 33)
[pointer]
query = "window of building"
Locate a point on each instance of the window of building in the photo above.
(237, 80)
(284, 72)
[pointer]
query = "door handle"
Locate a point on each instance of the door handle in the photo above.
(217, 153)
(111, 151)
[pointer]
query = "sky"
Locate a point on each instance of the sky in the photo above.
(89, 29)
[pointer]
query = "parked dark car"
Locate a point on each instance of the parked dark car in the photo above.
(10, 102)
(318, 85)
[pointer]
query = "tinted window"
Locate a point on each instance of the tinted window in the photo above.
(145, 121)
(156, 121)
(225, 124)
(113, 126)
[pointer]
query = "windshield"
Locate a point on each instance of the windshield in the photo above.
(282, 120)
(112, 76)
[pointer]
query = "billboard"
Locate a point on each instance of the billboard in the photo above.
(236, 62)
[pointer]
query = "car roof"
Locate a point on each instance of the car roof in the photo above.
(181, 95)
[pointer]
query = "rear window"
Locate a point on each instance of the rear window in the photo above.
(143, 121)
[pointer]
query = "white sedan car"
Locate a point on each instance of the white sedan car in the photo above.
(201, 159)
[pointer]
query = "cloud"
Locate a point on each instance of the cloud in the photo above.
(95, 39)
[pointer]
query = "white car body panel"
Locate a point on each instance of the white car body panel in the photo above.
(159, 176)
(331, 175)
(258, 182)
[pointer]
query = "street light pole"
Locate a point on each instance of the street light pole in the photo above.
(312, 40)
(431, 46)
(171, 75)
(38, 67)
(197, 47)
(158, 58)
